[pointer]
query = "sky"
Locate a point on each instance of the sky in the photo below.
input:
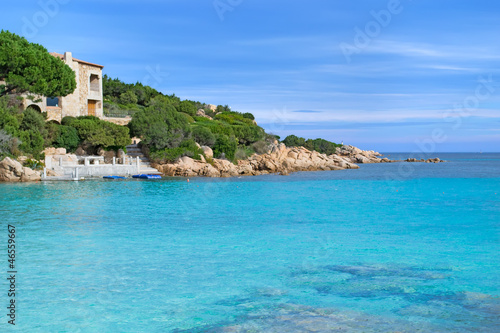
(393, 75)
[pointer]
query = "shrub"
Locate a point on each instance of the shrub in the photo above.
(170, 155)
(167, 155)
(187, 107)
(34, 121)
(294, 141)
(68, 138)
(248, 134)
(225, 145)
(248, 116)
(68, 120)
(188, 118)
(241, 154)
(32, 143)
(160, 126)
(6, 141)
(260, 147)
(203, 136)
(99, 133)
(52, 131)
(128, 97)
(34, 164)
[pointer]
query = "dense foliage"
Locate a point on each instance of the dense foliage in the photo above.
(27, 133)
(28, 67)
(22, 132)
(320, 145)
(160, 125)
(95, 133)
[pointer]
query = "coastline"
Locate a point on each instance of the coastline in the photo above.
(279, 160)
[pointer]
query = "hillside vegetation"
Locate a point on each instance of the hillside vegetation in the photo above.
(168, 126)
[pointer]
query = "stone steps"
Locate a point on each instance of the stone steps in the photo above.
(134, 151)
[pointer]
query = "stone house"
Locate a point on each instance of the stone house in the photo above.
(86, 100)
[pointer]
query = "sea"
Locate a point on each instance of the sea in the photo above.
(397, 247)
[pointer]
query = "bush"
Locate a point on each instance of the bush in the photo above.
(98, 133)
(248, 134)
(320, 145)
(68, 120)
(203, 136)
(68, 138)
(248, 116)
(242, 153)
(167, 155)
(34, 164)
(9, 118)
(170, 155)
(294, 141)
(33, 121)
(160, 126)
(31, 143)
(225, 145)
(6, 141)
(260, 147)
(187, 107)
(128, 97)
(188, 118)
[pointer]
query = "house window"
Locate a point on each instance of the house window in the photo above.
(94, 82)
(53, 101)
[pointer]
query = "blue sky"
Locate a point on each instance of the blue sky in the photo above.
(408, 75)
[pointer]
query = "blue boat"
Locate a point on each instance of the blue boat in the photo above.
(113, 177)
(143, 176)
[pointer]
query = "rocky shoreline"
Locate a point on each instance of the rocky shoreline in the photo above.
(279, 160)
(13, 171)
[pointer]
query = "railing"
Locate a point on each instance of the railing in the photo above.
(118, 113)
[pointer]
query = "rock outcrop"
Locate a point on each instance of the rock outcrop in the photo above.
(201, 113)
(279, 160)
(13, 171)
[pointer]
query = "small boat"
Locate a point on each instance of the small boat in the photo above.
(143, 176)
(113, 177)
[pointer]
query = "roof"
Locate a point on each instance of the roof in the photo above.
(61, 56)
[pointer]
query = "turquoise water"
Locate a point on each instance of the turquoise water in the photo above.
(386, 248)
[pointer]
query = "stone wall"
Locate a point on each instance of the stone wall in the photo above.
(54, 113)
(118, 121)
(71, 104)
(76, 104)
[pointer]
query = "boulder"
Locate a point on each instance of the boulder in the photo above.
(10, 170)
(30, 175)
(60, 151)
(207, 151)
(81, 152)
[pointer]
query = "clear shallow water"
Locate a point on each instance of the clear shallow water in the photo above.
(392, 247)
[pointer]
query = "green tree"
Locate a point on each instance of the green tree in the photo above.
(187, 107)
(160, 125)
(28, 67)
(294, 141)
(128, 97)
(68, 138)
(203, 136)
(225, 145)
(97, 133)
